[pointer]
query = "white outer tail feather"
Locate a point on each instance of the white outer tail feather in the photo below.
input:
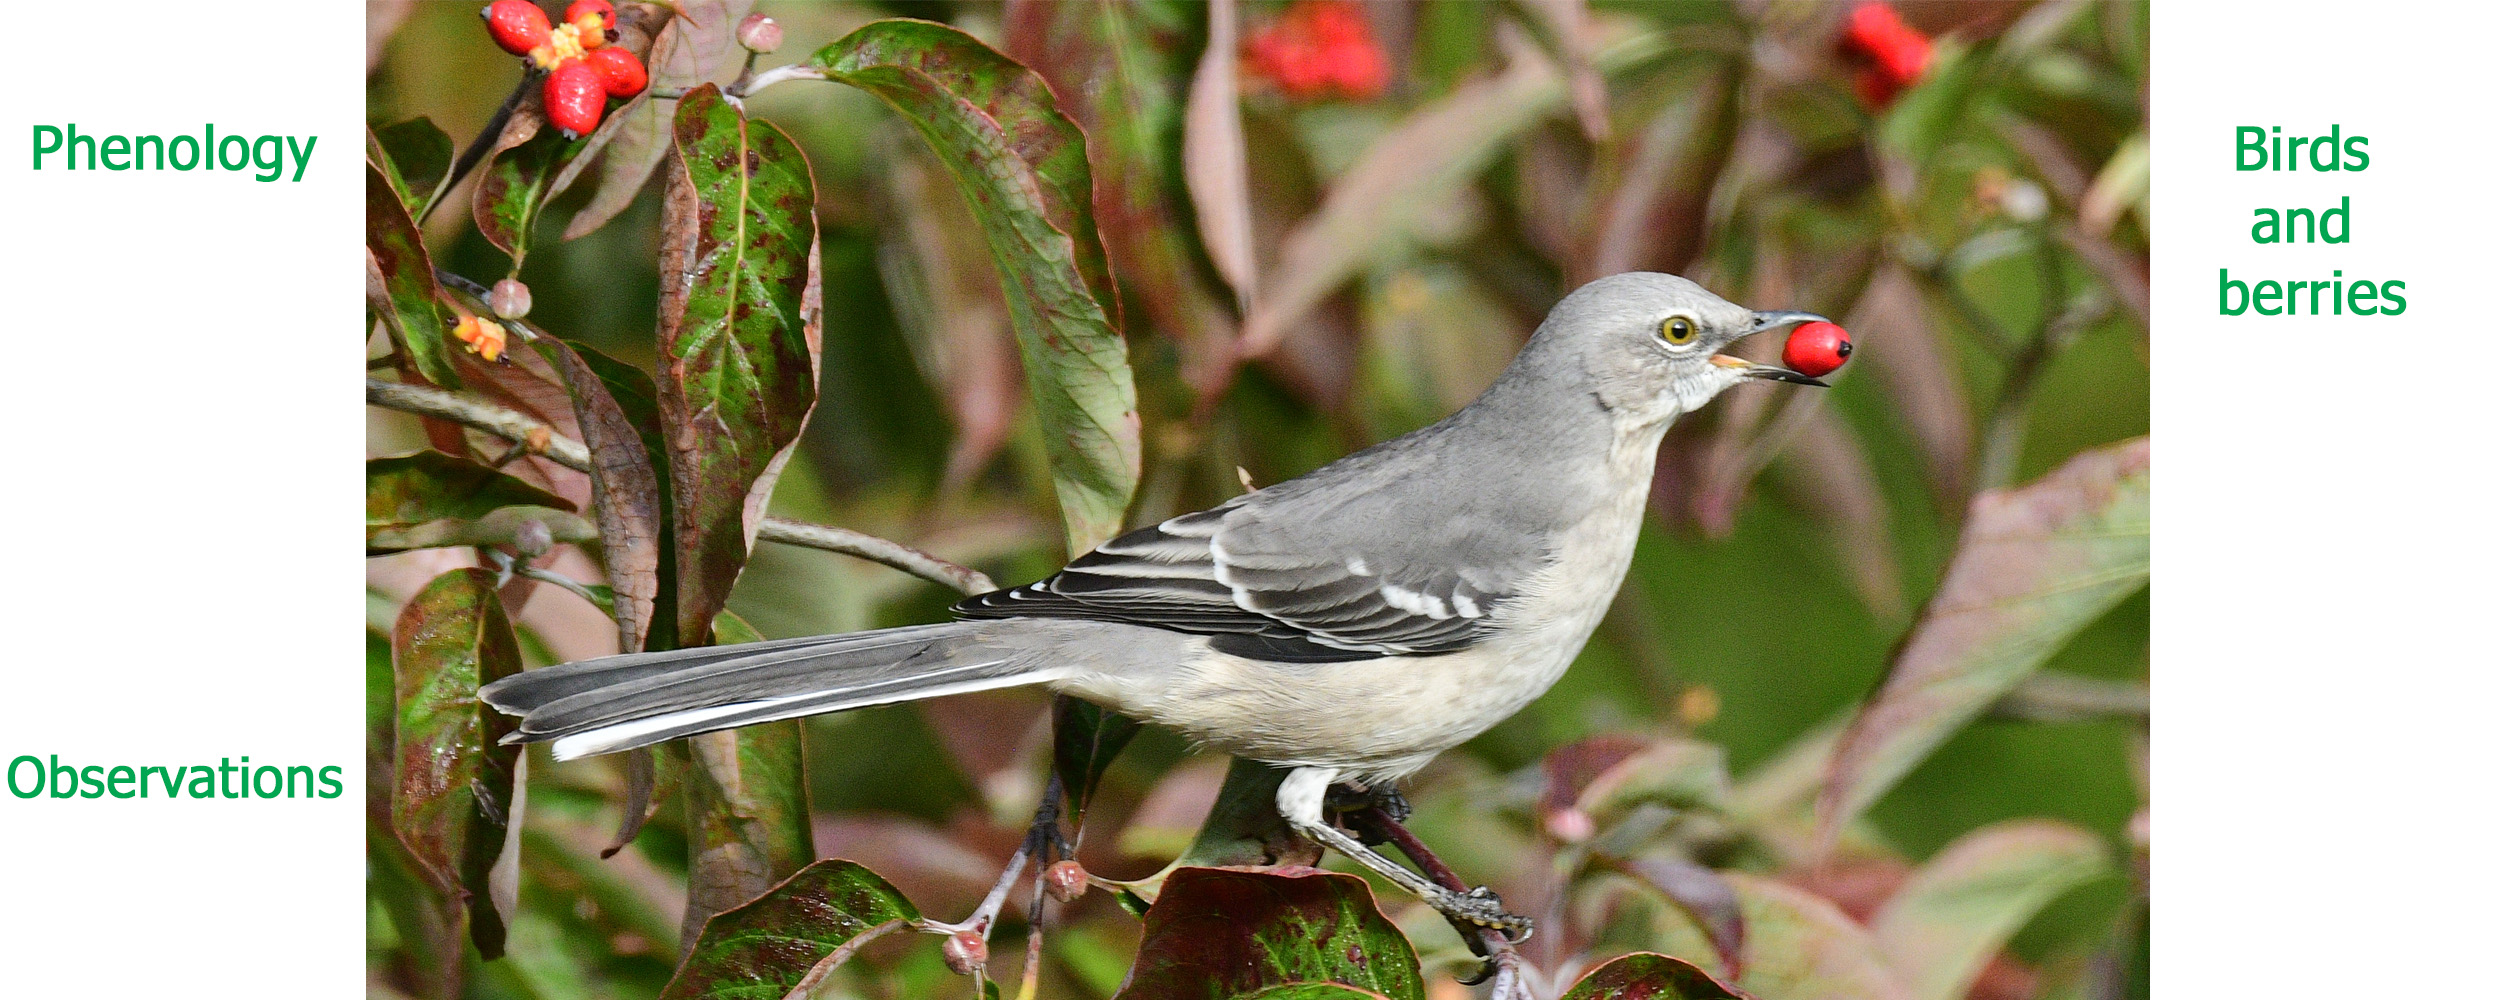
(633, 733)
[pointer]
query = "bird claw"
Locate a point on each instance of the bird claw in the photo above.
(1482, 907)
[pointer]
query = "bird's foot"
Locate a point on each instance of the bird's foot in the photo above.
(1482, 907)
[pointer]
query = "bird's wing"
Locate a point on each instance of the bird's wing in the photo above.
(1276, 575)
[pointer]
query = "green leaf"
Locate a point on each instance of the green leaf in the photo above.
(502, 526)
(2036, 563)
(1021, 164)
(1941, 927)
(415, 156)
(430, 499)
(627, 493)
(697, 46)
(1649, 976)
(1085, 739)
(427, 925)
(452, 798)
(746, 807)
(761, 950)
(1311, 991)
(513, 188)
(431, 486)
(1703, 895)
(1242, 828)
(1221, 932)
(1120, 68)
(1672, 772)
(1798, 946)
(738, 337)
(399, 284)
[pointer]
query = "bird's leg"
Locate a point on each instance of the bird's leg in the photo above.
(1042, 844)
(1492, 944)
(1301, 800)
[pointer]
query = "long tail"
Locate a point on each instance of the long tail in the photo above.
(637, 699)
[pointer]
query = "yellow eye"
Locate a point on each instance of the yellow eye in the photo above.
(1678, 331)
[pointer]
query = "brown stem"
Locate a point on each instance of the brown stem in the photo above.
(512, 425)
(1501, 956)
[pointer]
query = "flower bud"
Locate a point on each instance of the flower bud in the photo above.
(510, 299)
(1064, 881)
(759, 33)
(966, 953)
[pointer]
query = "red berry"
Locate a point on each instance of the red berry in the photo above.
(1319, 46)
(1816, 348)
(605, 11)
(1894, 54)
(518, 25)
(576, 97)
(618, 71)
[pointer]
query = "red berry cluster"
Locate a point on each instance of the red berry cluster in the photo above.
(1891, 54)
(583, 70)
(1316, 47)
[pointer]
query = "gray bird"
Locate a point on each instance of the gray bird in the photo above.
(1347, 625)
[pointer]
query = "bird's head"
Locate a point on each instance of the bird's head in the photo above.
(1650, 344)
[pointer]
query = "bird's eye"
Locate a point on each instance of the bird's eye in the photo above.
(1678, 330)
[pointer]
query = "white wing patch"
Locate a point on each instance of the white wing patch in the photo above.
(1414, 603)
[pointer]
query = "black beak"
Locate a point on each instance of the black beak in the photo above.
(1776, 373)
(1764, 322)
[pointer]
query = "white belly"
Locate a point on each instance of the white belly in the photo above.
(1381, 719)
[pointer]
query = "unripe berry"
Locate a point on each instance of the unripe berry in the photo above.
(759, 33)
(1816, 348)
(510, 299)
(518, 25)
(576, 98)
(965, 953)
(1064, 881)
(618, 71)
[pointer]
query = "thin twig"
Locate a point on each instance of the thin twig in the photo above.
(513, 425)
(777, 74)
(561, 581)
(964, 579)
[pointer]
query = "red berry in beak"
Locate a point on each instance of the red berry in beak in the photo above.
(618, 70)
(518, 25)
(576, 97)
(1816, 348)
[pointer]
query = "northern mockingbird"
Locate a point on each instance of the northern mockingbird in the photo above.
(1348, 625)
